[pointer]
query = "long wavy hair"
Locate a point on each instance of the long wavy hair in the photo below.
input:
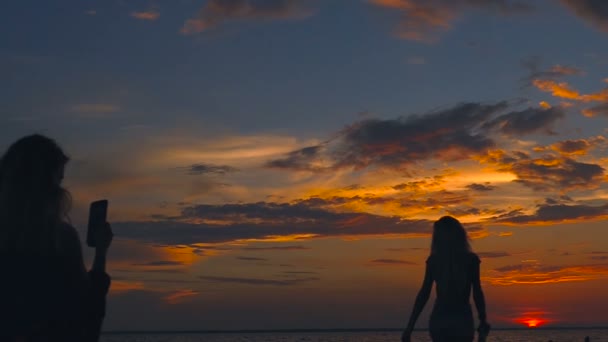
(449, 238)
(32, 200)
(449, 246)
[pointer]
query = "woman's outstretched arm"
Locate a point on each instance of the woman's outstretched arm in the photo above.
(421, 298)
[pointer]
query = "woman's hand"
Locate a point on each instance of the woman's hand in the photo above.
(103, 237)
(406, 336)
(484, 328)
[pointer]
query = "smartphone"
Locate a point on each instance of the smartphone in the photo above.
(98, 213)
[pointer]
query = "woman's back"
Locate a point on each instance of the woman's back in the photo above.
(43, 294)
(453, 277)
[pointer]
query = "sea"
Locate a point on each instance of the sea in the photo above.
(531, 335)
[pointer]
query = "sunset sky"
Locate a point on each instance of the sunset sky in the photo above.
(278, 164)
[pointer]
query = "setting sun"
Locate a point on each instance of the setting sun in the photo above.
(532, 322)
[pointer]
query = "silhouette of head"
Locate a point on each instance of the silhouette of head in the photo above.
(32, 200)
(449, 237)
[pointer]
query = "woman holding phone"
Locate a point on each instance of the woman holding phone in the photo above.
(46, 293)
(454, 269)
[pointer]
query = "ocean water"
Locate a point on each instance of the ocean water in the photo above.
(541, 335)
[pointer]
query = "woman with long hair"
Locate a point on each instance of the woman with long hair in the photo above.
(454, 269)
(46, 294)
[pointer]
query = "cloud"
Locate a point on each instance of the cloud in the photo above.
(258, 281)
(266, 221)
(565, 91)
(392, 262)
(593, 11)
(598, 110)
(549, 172)
(481, 187)
(216, 12)
(532, 274)
(581, 147)
(421, 185)
(94, 110)
(299, 272)
(277, 248)
(180, 296)
(531, 120)
(161, 263)
(203, 169)
(488, 255)
(533, 65)
(251, 258)
(425, 20)
(150, 15)
(448, 135)
(553, 213)
(120, 286)
(557, 89)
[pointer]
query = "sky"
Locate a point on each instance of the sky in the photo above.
(278, 164)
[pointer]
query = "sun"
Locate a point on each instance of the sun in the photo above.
(532, 323)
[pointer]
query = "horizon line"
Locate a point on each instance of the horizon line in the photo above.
(261, 331)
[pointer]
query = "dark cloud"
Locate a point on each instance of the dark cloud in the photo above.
(593, 11)
(277, 248)
(303, 159)
(448, 135)
(257, 281)
(251, 258)
(574, 147)
(424, 20)
(533, 65)
(392, 262)
(216, 12)
(528, 121)
(480, 187)
(599, 257)
(579, 146)
(558, 212)
(419, 199)
(300, 272)
(549, 172)
(493, 254)
(265, 220)
(205, 169)
(420, 185)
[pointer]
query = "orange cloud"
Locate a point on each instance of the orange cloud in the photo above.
(557, 89)
(422, 20)
(180, 296)
(565, 91)
(215, 12)
(119, 286)
(534, 274)
(150, 15)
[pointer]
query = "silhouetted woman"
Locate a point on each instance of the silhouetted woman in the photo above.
(46, 294)
(454, 268)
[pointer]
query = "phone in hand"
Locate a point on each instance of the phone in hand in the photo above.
(98, 213)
